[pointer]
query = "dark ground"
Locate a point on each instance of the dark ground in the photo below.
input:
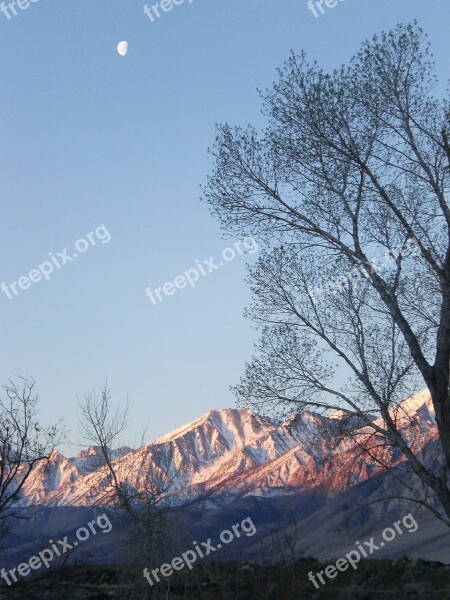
(374, 579)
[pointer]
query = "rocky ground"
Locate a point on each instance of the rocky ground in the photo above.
(398, 579)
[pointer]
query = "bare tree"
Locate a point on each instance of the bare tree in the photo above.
(348, 187)
(139, 494)
(24, 443)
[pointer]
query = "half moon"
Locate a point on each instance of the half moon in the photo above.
(122, 48)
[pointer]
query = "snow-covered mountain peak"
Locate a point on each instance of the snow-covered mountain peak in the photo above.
(228, 421)
(418, 402)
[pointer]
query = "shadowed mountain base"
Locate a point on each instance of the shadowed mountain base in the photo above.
(375, 579)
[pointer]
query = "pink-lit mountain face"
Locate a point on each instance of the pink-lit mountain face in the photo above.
(227, 454)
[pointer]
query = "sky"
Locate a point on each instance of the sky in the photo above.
(116, 147)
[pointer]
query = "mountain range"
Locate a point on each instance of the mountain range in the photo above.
(304, 493)
(232, 453)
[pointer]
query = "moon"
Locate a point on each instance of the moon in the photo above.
(122, 48)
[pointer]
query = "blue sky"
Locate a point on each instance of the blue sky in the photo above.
(91, 138)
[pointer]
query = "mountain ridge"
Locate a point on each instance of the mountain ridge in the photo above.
(230, 453)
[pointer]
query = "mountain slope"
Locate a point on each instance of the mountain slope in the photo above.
(233, 453)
